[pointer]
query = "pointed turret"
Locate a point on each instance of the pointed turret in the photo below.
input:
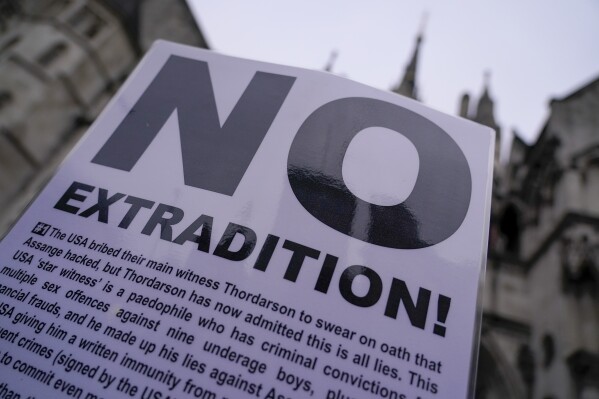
(331, 62)
(485, 111)
(407, 86)
(485, 115)
(464, 110)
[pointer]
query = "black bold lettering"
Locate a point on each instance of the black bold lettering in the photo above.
(433, 211)
(71, 194)
(159, 218)
(416, 312)
(223, 249)
(326, 273)
(297, 259)
(214, 157)
(270, 244)
(204, 222)
(375, 287)
(102, 206)
(136, 204)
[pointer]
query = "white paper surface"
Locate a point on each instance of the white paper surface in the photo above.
(120, 312)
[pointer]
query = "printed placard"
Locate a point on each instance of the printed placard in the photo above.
(230, 228)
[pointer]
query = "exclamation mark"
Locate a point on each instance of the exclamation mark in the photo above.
(442, 311)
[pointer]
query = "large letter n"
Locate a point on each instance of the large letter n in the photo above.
(214, 157)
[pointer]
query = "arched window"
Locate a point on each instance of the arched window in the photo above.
(509, 226)
(51, 54)
(5, 98)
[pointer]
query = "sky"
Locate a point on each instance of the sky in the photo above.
(534, 50)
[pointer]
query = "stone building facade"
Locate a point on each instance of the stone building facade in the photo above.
(546, 233)
(62, 60)
(540, 333)
(60, 63)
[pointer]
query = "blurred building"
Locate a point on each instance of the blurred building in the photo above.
(60, 63)
(540, 334)
(543, 268)
(61, 60)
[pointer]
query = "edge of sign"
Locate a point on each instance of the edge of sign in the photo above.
(479, 300)
(161, 46)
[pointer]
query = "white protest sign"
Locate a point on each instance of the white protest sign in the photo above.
(230, 228)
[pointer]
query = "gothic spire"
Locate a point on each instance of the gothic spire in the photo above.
(407, 86)
(485, 109)
(331, 62)
(485, 115)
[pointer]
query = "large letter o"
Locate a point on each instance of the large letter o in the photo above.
(433, 211)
